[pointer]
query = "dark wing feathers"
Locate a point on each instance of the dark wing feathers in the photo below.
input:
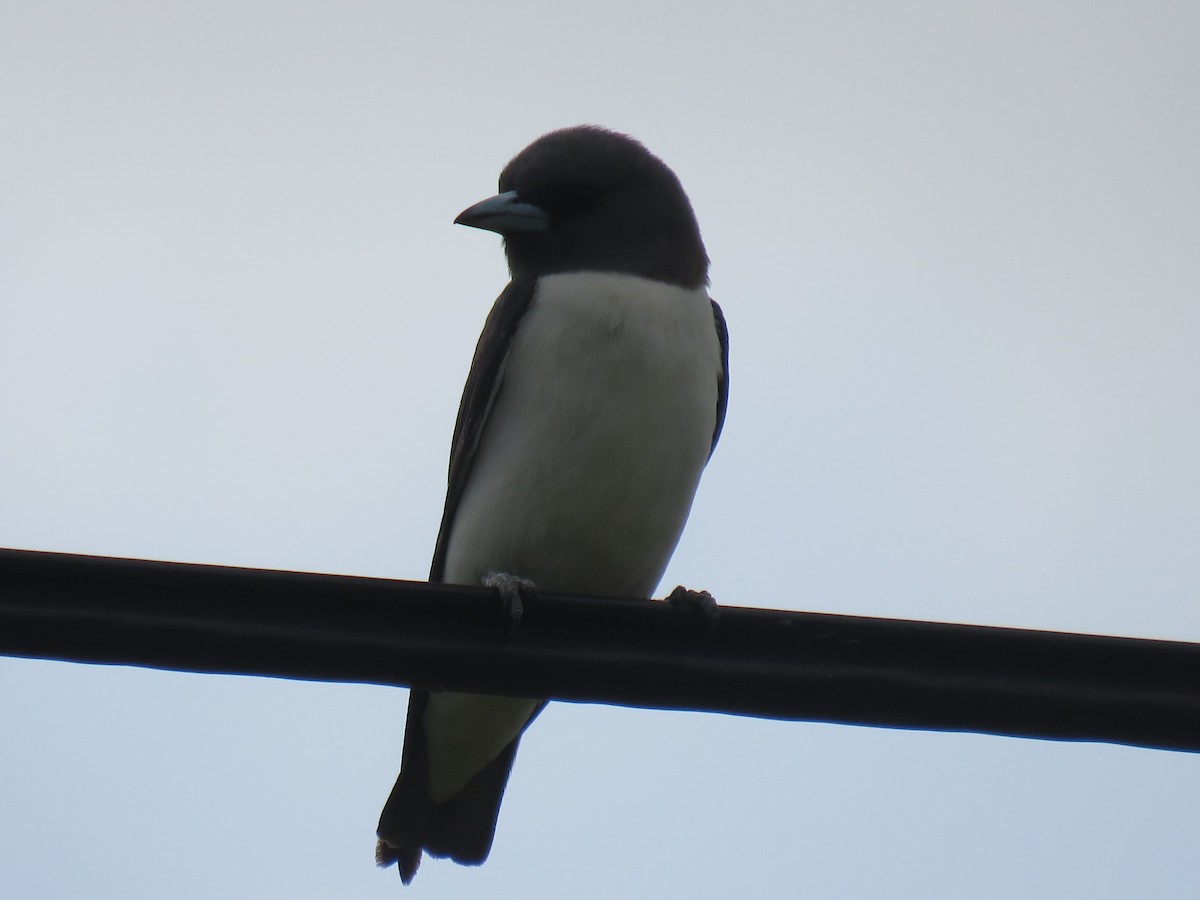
(463, 826)
(480, 391)
(723, 384)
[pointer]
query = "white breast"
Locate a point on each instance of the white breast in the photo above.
(595, 443)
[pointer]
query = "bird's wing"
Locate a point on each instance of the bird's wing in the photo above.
(461, 827)
(723, 384)
(483, 383)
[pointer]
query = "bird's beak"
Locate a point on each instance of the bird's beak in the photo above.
(504, 214)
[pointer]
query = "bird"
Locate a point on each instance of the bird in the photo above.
(595, 398)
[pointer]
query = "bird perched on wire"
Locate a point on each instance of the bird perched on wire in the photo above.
(595, 398)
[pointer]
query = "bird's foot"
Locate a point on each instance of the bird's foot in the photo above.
(697, 603)
(514, 591)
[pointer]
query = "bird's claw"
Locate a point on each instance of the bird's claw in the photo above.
(700, 603)
(514, 590)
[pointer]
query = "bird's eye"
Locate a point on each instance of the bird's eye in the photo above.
(585, 199)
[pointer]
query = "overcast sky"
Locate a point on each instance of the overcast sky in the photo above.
(957, 247)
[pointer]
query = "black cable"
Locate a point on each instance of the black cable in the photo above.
(757, 662)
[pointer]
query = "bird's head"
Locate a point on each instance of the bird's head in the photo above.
(589, 199)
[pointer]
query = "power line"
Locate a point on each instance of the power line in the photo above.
(757, 662)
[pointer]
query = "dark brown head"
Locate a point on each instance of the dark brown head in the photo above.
(586, 199)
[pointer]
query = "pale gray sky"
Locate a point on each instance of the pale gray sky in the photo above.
(957, 248)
